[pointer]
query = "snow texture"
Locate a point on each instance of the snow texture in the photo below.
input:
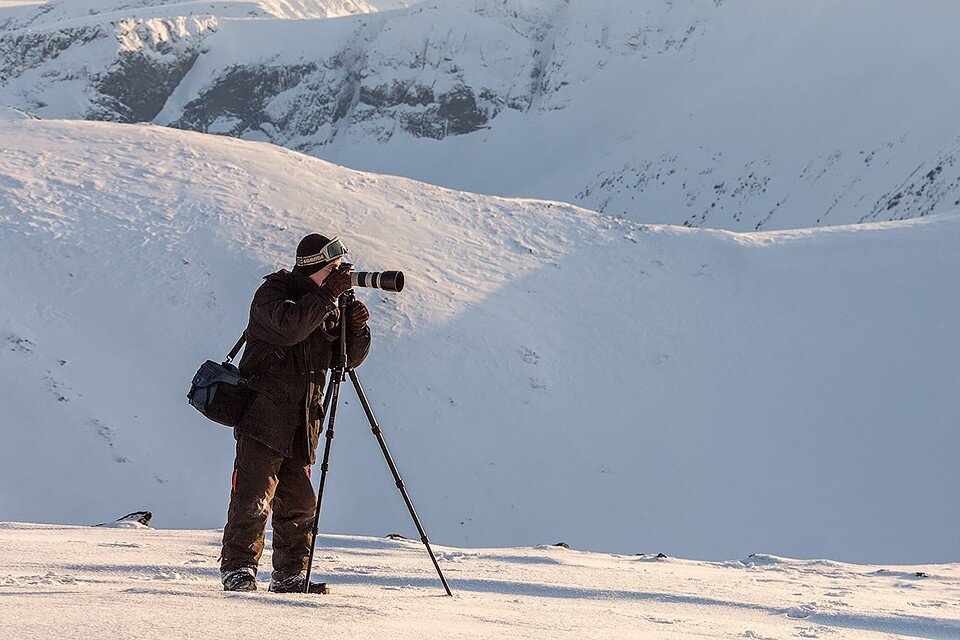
(738, 115)
(549, 373)
(147, 584)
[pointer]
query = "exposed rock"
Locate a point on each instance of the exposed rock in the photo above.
(135, 519)
(138, 85)
(236, 102)
(21, 51)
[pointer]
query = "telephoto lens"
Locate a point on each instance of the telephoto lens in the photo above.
(386, 280)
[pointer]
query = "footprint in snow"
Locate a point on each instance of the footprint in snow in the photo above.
(167, 575)
(803, 611)
(661, 620)
(51, 577)
(528, 355)
(929, 603)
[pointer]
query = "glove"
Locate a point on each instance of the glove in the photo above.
(336, 283)
(357, 316)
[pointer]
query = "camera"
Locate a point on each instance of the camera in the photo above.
(386, 280)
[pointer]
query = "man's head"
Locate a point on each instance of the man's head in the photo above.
(318, 255)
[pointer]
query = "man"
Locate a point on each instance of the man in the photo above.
(293, 337)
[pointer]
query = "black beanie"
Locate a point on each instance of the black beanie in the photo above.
(310, 245)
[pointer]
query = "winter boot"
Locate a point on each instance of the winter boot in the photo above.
(243, 579)
(294, 584)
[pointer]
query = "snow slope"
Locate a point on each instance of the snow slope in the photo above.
(145, 583)
(549, 374)
(735, 115)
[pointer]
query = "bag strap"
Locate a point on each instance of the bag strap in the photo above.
(236, 348)
(279, 352)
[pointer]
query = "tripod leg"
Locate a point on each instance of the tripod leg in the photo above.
(333, 393)
(396, 475)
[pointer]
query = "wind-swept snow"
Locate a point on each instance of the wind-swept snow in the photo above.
(548, 374)
(68, 582)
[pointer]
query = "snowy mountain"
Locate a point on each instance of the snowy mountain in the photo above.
(550, 373)
(746, 115)
(161, 584)
(62, 13)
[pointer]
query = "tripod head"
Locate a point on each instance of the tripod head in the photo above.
(340, 365)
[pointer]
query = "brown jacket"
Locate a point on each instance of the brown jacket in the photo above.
(292, 336)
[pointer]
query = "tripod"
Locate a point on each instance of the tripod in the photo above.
(338, 374)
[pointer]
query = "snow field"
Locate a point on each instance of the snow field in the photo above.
(81, 582)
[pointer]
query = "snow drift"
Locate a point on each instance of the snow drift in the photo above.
(549, 373)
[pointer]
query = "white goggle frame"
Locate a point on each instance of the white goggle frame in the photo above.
(330, 251)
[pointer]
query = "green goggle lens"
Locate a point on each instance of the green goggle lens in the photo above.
(334, 250)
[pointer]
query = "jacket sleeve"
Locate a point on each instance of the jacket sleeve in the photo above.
(288, 322)
(358, 346)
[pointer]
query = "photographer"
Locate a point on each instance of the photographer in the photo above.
(292, 336)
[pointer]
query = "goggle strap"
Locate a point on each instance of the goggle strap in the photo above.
(323, 255)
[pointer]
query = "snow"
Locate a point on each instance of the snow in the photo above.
(549, 373)
(735, 115)
(76, 582)
(66, 13)
(9, 113)
(743, 116)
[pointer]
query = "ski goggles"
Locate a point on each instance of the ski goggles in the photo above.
(330, 251)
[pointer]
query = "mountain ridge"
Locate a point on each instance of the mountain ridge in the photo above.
(744, 116)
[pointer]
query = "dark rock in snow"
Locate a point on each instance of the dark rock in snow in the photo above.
(135, 518)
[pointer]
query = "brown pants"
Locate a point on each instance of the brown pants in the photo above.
(264, 479)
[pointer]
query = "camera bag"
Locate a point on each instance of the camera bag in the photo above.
(219, 391)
